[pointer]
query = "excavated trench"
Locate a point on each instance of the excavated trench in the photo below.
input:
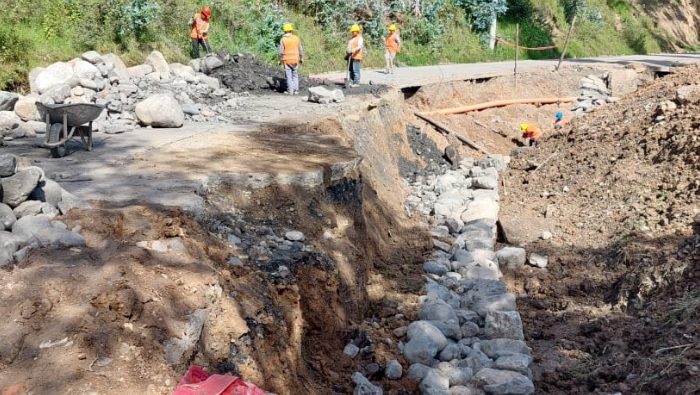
(353, 277)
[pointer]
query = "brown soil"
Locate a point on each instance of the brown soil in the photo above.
(616, 310)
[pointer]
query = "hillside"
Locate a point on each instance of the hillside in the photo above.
(434, 31)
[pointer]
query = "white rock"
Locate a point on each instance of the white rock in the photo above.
(160, 110)
(57, 73)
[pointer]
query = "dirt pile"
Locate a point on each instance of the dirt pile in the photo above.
(245, 73)
(616, 309)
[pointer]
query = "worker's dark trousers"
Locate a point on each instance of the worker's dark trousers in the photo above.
(355, 72)
(195, 46)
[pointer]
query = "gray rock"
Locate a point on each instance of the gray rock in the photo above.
(8, 100)
(8, 165)
(436, 380)
(470, 329)
(511, 257)
(503, 324)
(454, 224)
(157, 62)
(476, 360)
(176, 244)
(139, 71)
(450, 352)
(211, 82)
(351, 350)
(437, 310)
(178, 351)
(465, 390)
(417, 371)
(7, 216)
(160, 110)
(448, 328)
(485, 183)
(463, 256)
(393, 370)
(321, 95)
(235, 261)
(503, 382)
(84, 69)
(538, 260)
(503, 302)
(40, 230)
(6, 257)
(57, 94)
(92, 57)
(19, 186)
(9, 120)
(364, 386)
(435, 290)
(434, 268)
(209, 64)
(28, 207)
(421, 350)
(497, 161)
(190, 109)
(481, 269)
(478, 243)
(294, 235)
(47, 191)
(517, 362)
(57, 73)
(480, 209)
(9, 243)
(460, 376)
(497, 348)
(70, 201)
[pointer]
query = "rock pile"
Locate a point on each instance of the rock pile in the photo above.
(469, 336)
(154, 93)
(599, 89)
(30, 202)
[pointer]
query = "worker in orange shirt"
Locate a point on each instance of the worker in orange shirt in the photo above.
(532, 133)
(200, 31)
(355, 53)
(291, 54)
(393, 46)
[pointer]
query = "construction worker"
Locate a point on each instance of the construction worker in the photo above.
(393, 46)
(200, 31)
(532, 133)
(291, 54)
(355, 52)
(558, 121)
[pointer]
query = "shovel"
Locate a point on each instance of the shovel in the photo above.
(347, 72)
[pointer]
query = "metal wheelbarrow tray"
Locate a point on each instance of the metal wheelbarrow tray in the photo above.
(63, 120)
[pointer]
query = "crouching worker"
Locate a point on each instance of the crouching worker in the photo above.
(531, 133)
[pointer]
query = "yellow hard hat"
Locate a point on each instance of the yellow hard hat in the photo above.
(354, 28)
(392, 27)
(523, 127)
(287, 27)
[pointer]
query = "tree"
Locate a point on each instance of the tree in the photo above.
(483, 15)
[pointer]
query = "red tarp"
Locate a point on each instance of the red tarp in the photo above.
(198, 382)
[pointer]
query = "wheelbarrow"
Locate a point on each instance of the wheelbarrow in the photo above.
(64, 120)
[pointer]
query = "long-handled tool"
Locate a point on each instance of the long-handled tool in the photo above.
(347, 71)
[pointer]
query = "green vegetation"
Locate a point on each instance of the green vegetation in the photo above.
(38, 32)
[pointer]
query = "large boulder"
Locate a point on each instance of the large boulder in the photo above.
(157, 62)
(116, 66)
(9, 120)
(57, 94)
(83, 69)
(47, 191)
(209, 64)
(7, 101)
(42, 230)
(160, 110)
(140, 70)
(17, 187)
(25, 108)
(57, 73)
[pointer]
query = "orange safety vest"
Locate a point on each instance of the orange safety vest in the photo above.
(356, 48)
(392, 42)
(292, 47)
(532, 132)
(200, 27)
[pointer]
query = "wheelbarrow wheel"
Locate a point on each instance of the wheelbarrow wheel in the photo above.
(55, 135)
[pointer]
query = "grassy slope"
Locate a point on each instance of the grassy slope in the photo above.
(53, 30)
